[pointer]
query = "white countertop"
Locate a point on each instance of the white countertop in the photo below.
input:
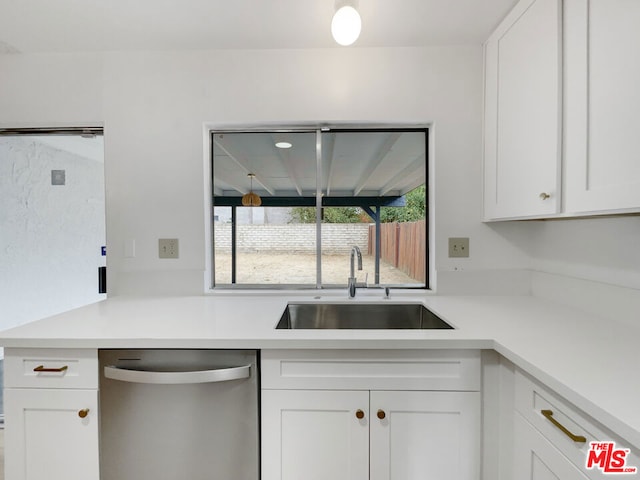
(591, 361)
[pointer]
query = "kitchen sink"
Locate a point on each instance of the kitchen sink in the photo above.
(369, 316)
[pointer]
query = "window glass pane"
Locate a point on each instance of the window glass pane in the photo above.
(373, 187)
(374, 180)
(273, 245)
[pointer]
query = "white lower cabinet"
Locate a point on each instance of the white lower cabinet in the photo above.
(51, 434)
(315, 435)
(377, 435)
(535, 457)
(552, 437)
(384, 427)
(51, 414)
(424, 435)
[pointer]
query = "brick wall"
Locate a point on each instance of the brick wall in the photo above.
(294, 238)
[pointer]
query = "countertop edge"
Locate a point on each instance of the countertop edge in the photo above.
(517, 328)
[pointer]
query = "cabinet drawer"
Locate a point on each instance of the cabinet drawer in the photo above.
(50, 368)
(535, 457)
(541, 407)
(455, 370)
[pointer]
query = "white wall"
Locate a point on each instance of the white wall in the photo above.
(50, 235)
(154, 106)
(50, 90)
(597, 249)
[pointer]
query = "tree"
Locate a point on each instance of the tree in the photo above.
(303, 215)
(414, 209)
(330, 215)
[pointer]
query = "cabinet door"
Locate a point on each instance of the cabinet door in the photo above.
(425, 435)
(602, 102)
(315, 435)
(523, 113)
(46, 436)
(535, 458)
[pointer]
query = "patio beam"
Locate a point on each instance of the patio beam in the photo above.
(310, 201)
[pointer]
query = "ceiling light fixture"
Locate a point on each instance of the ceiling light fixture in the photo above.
(346, 23)
(251, 199)
(283, 145)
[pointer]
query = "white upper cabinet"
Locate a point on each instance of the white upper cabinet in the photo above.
(561, 110)
(523, 112)
(602, 101)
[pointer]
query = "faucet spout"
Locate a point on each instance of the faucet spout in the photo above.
(355, 252)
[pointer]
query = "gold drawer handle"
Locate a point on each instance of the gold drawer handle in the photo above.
(381, 414)
(359, 414)
(41, 368)
(548, 414)
(83, 413)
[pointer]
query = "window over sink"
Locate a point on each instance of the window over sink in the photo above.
(290, 205)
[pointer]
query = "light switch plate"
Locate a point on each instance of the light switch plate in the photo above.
(58, 177)
(458, 247)
(168, 248)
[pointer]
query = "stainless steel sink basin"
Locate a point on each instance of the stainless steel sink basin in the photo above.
(359, 316)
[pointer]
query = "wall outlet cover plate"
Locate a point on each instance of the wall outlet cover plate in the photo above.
(458, 247)
(168, 248)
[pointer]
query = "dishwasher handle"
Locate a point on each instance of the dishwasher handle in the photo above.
(177, 378)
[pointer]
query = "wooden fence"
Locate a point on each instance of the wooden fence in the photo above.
(402, 245)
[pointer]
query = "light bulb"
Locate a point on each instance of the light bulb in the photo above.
(346, 25)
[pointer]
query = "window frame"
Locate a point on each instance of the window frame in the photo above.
(319, 131)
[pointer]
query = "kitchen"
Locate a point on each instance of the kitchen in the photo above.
(157, 105)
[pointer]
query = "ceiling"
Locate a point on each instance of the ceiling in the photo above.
(354, 163)
(38, 26)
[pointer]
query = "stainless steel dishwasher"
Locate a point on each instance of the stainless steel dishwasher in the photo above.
(179, 414)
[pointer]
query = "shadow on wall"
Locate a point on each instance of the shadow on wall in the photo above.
(596, 249)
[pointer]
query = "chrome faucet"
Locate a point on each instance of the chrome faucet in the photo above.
(352, 279)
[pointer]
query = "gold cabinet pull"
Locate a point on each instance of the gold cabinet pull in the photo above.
(381, 414)
(544, 196)
(83, 413)
(548, 414)
(359, 414)
(41, 368)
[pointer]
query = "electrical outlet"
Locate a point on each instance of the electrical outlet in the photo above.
(458, 247)
(168, 248)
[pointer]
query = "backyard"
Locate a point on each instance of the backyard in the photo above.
(300, 268)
